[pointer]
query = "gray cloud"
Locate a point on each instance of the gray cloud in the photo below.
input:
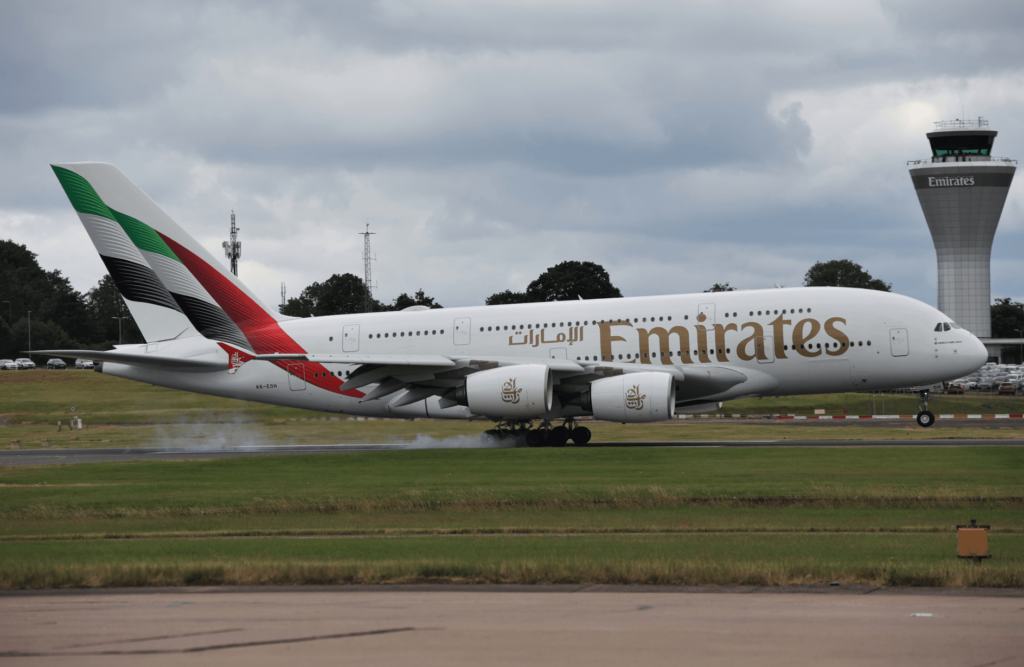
(677, 144)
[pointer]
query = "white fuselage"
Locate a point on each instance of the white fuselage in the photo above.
(787, 341)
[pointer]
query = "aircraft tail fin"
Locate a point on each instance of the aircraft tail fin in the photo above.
(172, 285)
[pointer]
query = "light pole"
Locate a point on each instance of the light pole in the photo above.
(118, 328)
(1021, 338)
(30, 335)
(120, 316)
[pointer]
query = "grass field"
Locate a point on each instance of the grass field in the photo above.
(647, 559)
(621, 515)
(713, 516)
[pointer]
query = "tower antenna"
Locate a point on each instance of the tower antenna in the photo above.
(233, 248)
(367, 272)
(284, 301)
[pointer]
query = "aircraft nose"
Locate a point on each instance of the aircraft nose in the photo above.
(977, 353)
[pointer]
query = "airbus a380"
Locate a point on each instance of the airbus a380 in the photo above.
(629, 360)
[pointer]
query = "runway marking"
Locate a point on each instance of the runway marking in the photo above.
(149, 639)
(203, 649)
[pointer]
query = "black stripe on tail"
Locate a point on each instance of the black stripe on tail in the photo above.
(211, 321)
(139, 283)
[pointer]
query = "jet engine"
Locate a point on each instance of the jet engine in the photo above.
(509, 392)
(632, 398)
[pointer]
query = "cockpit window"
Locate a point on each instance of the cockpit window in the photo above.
(938, 327)
(955, 325)
(946, 326)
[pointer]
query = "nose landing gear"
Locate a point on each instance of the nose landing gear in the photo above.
(924, 417)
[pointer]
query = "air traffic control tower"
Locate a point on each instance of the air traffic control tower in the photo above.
(962, 189)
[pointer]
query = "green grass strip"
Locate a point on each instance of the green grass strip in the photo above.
(894, 560)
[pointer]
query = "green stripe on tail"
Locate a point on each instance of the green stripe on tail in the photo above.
(85, 200)
(82, 196)
(143, 236)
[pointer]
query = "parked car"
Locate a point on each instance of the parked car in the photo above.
(1007, 388)
(8, 365)
(25, 364)
(83, 363)
(985, 385)
(56, 364)
(955, 388)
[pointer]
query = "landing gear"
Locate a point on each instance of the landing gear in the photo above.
(520, 433)
(924, 417)
(558, 436)
(580, 435)
(509, 433)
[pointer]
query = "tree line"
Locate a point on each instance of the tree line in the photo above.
(63, 318)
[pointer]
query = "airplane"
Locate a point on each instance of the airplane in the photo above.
(628, 360)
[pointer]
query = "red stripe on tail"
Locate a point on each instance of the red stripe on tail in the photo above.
(260, 329)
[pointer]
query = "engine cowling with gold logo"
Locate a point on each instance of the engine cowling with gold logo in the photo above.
(510, 392)
(634, 397)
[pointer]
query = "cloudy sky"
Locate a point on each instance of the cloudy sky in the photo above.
(678, 144)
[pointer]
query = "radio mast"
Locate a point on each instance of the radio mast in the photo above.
(284, 302)
(233, 248)
(367, 272)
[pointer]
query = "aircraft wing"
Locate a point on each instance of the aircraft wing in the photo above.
(369, 359)
(421, 376)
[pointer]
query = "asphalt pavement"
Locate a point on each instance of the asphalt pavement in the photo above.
(590, 626)
(24, 457)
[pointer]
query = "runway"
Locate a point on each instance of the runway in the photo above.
(24, 457)
(514, 625)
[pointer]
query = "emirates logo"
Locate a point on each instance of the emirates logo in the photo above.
(235, 362)
(634, 399)
(509, 392)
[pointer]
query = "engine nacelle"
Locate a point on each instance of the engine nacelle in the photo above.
(510, 392)
(634, 398)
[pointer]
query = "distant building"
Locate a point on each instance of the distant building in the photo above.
(962, 189)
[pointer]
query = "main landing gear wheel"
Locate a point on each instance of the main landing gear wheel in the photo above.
(558, 436)
(535, 438)
(488, 438)
(580, 435)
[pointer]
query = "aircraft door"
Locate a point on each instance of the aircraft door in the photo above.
(350, 338)
(899, 340)
(558, 353)
(764, 349)
(297, 377)
(462, 327)
(706, 315)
